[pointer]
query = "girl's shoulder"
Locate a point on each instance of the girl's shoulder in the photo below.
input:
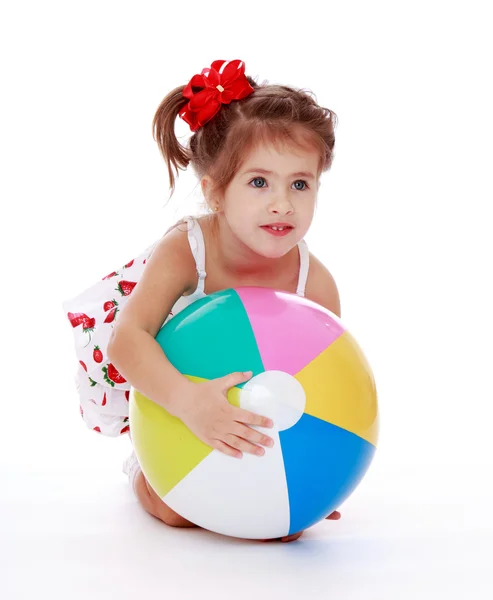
(321, 286)
(174, 245)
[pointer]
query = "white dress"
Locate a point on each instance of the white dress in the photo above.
(103, 392)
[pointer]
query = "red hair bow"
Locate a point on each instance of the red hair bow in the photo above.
(217, 89)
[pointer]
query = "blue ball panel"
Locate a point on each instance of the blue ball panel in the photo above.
(323, 465)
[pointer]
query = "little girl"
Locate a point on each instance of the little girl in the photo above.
(259, 152)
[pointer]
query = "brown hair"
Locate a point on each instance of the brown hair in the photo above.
(275, 114)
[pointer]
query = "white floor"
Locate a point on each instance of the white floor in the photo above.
(76, 531)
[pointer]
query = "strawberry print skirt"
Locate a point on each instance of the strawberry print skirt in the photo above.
(103, 392)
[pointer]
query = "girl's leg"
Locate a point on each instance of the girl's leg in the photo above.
(153, 504)
(150, 501)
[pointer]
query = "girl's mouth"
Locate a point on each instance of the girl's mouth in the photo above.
(277, 231)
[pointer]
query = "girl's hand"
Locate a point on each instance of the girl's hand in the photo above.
(205, 410)
(335, 516)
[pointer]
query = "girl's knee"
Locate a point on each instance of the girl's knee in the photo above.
(142, 493)
(168, 516)
(153, 504)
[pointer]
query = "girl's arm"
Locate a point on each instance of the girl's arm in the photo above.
(169, 273)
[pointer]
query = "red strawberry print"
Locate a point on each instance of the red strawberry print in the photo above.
(110, 275)
(97, 355)
(125, 287)
(110, 317)
(83, 364)
(128, 265)
(145, 260)
(127, 396)
(103, 403)
(112, 306)
(77, 318)
(88, 324)
(125, 429)
(97, 429)
(125, 420)
(88, 327)
(112, 376)
(81, 411)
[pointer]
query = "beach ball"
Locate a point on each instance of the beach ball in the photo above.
(309, 376)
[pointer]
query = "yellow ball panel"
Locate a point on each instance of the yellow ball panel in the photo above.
(340, 388)
(167, 450)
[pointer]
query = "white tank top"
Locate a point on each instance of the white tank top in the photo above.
(197, 246)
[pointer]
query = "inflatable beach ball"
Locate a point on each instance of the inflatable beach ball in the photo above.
(309, 376)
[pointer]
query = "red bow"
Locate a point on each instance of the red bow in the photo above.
(217, 89)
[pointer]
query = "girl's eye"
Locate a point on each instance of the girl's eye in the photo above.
(305, 185)
(257, 179)
(298, 181)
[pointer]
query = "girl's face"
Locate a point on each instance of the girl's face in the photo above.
(272, 189)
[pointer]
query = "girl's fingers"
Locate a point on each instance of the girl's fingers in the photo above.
(252, 435)
(292, 538)
(243, 445)
(225, 449)
(335, 516)
(245, 416)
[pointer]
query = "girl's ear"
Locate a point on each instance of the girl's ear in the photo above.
(214, 203)
(205, 184)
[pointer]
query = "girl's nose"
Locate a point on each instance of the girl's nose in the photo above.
(281, 205)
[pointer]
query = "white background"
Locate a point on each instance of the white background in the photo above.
(404, 224)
